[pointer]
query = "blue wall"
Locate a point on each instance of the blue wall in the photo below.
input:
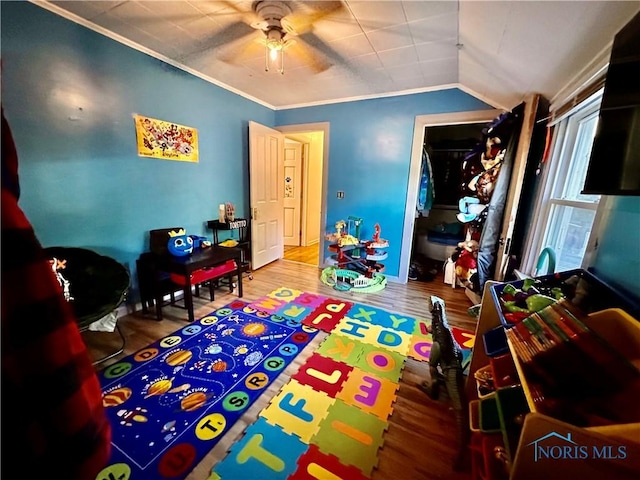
(618, 256)
(370, 155)
(69, 95)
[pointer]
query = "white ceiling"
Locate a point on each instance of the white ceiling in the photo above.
(499, 51)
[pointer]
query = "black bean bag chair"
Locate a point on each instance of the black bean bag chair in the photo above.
(97, 284)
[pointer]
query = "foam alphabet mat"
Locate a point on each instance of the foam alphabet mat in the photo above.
(171, 402)
(329, 420)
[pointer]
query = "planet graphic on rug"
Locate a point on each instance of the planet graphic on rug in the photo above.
(159, 387)
(195, 400)
(116, 397)
(252, 359)
(254, 329)
(218, 366)
(179, 357)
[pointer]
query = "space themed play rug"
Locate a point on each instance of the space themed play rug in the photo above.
(329, 420)
(171, 402)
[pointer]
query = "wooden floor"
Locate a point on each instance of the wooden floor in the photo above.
(307, 255)
(420, 441)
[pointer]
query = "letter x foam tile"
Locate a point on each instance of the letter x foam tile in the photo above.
(298, 409)
(382, 318)
(315, 465)
(265, 452)
(323, 374)
(352, 435)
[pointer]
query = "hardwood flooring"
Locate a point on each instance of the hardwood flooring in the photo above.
(420, 441)
(309, 255)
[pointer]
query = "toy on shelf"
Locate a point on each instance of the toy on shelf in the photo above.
(356, 262)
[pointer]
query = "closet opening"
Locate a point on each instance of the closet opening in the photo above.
(437, 230)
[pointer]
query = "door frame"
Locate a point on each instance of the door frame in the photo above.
(310, 128)
(422, 122)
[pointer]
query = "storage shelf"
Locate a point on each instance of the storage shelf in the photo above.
(622, 331)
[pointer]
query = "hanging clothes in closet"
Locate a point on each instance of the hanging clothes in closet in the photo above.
(426, 192)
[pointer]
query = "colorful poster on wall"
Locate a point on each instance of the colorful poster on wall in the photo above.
(160, 139)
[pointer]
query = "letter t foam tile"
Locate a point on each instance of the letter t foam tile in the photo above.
(265, 452)
(298, 410)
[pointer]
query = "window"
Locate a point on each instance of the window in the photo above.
(564, 216)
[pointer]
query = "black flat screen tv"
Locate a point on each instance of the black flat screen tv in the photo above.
(614, 165)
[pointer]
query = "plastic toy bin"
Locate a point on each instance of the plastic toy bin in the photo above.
(601, 296)
(495, 342)
(504, 370)
(622, 331)
(489, 416)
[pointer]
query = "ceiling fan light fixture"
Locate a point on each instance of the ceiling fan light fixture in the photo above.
(274, 49)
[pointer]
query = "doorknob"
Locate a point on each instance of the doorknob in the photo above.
(254, 213)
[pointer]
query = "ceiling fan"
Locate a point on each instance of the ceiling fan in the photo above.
(275, 24)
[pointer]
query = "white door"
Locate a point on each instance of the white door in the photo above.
(266, 173)
(292, 192)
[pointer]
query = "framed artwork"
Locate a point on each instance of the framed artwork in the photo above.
(167, 140)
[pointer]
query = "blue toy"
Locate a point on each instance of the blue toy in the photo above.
(180, 244)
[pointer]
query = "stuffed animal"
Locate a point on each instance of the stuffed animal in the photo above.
(466, 262)
(180, 244)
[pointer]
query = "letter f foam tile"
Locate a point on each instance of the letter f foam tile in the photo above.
(265, 452)
(298, 410)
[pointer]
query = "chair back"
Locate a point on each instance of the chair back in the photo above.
(159, 238)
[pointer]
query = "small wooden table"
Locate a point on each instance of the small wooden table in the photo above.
(185, 266)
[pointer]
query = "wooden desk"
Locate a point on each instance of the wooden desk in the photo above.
(185, 266)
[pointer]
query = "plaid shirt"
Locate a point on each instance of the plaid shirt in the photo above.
(53, 421)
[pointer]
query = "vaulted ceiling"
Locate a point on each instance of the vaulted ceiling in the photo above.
(339, 50)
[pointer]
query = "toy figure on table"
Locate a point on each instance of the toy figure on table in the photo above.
(180, 244)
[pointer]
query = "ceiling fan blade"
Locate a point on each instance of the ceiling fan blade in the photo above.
(306, 14)
(231, 33)
(311, 58)
(249, 46)
(322, 55)
(249, 16)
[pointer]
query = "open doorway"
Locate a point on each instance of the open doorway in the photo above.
(305, 186)
(437, 230)
(413, 187)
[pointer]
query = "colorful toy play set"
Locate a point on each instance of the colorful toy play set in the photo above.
(356, 263)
